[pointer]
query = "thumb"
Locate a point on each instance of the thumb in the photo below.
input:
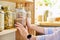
(18, 29)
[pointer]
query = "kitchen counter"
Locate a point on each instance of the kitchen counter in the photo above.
(50, 24)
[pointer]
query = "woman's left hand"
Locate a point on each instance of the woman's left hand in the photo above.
(22, 30)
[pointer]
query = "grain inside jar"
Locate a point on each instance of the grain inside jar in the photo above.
(8, 19)
(1, 19)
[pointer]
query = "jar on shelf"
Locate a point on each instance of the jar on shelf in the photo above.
(1, 19)
(8, 18)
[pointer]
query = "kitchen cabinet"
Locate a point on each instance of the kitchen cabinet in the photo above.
(29, 5)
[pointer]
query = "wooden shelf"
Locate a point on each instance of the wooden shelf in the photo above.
(50, 24)
(19, 1)
(9, 0)
(7, 31)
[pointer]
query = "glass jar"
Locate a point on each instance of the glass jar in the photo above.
(1, 19)
(21, 15)
(9, 20)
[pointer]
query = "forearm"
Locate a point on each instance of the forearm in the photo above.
(38, 29)
(34, 27)
(45, 30)
(41, 29)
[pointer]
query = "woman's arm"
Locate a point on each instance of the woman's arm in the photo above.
(34, 27)
(24, 33)
(43, 30)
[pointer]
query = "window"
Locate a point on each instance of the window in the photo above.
(46, 10)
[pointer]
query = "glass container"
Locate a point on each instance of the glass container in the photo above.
(1, 19)
(9, 20)
(21, 15)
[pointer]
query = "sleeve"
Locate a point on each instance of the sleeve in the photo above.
(40, 38)
(45, 37)
(54, 36)
(49, 30)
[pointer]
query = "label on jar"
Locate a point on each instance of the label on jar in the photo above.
(1, 21)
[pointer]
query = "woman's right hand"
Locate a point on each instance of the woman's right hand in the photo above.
(22, 30)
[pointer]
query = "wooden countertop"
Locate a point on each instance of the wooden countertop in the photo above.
(49, 24)
(7, 31)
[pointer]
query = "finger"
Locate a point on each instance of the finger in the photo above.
(19, 26)
(19, 29)
(16, 25)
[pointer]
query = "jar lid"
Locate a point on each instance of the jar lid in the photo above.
(21, 10)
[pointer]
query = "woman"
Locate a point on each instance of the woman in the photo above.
(50, 33)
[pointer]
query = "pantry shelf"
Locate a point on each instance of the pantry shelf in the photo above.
(50, 24)
(4, 32)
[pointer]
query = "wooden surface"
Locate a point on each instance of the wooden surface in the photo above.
(17, 1)
(9, 0)
(54, 24)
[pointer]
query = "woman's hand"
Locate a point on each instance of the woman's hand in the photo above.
(22, 30)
